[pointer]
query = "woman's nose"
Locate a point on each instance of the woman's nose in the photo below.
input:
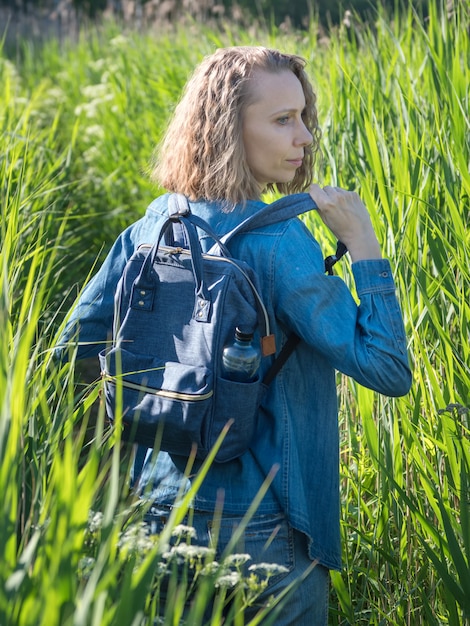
(304, 136)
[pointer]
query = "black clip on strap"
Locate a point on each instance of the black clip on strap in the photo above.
(333, 258)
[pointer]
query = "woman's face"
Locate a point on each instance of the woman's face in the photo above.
(274, 134)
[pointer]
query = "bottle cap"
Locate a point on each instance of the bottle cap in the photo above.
(243, 334)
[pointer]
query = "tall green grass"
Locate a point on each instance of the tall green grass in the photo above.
(78, 123)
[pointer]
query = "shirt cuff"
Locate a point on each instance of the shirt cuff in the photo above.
(373, 276)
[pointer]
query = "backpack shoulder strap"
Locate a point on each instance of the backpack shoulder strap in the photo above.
(287, 349)
(283, 209)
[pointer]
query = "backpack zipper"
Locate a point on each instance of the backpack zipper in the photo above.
(172, 395)
(212, 257)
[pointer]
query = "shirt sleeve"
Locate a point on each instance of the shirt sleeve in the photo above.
(365, 341)
(88, 328)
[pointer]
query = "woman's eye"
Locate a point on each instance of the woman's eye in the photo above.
(283, 120)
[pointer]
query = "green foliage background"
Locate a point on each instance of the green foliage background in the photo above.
(299, 12)
(78, 123)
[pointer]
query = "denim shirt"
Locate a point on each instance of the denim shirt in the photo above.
(297, 429)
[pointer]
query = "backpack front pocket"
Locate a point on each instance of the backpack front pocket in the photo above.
(162, 404)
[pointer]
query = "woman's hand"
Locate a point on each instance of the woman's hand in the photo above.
(347, 217)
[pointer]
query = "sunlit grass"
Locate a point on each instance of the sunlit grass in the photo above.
(78, 124)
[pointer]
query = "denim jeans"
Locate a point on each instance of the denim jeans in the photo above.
(267, 539)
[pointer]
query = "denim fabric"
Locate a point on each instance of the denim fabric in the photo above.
(172, 376)
(297, 431)
(268, 539)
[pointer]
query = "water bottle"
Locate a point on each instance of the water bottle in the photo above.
(240, 359)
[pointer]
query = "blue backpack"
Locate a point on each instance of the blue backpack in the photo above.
(175, 310)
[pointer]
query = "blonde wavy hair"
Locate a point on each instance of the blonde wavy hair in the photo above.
(202, 154)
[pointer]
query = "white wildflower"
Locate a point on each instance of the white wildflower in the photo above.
(95, 521)
(190, 551)
(94, 91)
(161, 568)
(54, 95)
(91, 154)
(97, 95)
(108, 75)
(85, 566)
(10, 69)
(89, 109)
(237, 559)
(228, 580)
(86, 562)
(268, 568)
(93, 133)
(119, 41)
(136, 538)
(97, 65)
(184, 531)
(211, 568)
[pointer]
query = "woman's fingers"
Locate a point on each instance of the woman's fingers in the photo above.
(347, 217)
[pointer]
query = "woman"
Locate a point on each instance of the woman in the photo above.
(247, 123)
